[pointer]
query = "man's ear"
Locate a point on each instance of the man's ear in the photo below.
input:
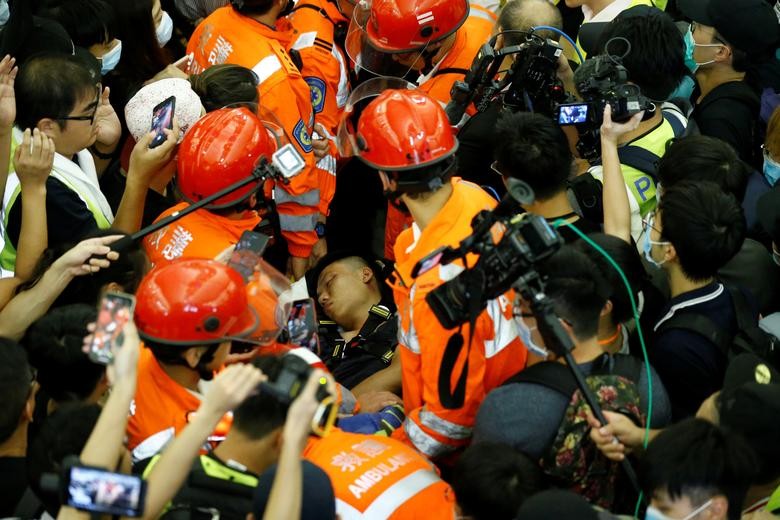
(724, 54)
(670, 254)
(50, 127)
(192, 355)
(29, 405)
(366, 274)
(606, 309)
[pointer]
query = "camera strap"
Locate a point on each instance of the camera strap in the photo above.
(449, 398)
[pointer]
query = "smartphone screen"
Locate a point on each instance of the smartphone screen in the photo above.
(302, 325)
(574, 114)
(100, 491)
(162, 118)
(248, 253)
(115, 310)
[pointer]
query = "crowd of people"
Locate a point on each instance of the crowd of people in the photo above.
(323, 259)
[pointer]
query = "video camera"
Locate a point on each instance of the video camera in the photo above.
(526, 240)
(530, 84)
(287, 377)
(600, 81)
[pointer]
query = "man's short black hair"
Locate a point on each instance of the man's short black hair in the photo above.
(88, 22)
(253, 7)
(655, 60)
(15, 386)
(704, 158)
(532, 148)
(261, 413)
(50, 86)
(697, 459)
(577, 289)
(54, 343)
(705, 225)
(624, 255)
(492, 480)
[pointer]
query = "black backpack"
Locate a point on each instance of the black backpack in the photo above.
(748, 338)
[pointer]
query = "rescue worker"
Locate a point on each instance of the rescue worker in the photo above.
(372, 476)
(438, 38)
(405, 135)
(186, 313)
(222, 148)
(319, 30)
(247, 33)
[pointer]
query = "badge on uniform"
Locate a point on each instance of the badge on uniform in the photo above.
(318, 88)
(301, 134)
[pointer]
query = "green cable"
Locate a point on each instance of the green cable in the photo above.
(614, 264)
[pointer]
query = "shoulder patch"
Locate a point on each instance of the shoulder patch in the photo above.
(318, 90)
(302, 136)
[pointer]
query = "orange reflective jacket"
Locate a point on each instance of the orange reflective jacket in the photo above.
(226, 36)
(201, 234)
(325, 70)
(377, 477)
(160, 409)
(496, 351)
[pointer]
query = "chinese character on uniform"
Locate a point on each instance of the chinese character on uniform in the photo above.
(180, 239)
(222, 49)
(370, 448)
(347, 461)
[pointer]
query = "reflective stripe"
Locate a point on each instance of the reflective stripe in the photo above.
(479, 13)
(342, 92)
(408, 338)
(443, 426)
(327, 163)
(153, 444)
(305, 40)
(504, 330)
(266, 68)
(399, 493)
(297, 222)
(426, 444)
(307, 198)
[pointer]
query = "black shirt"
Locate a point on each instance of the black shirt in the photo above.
(13, 482)
(568, 234)
(730, 113)
(68, 219)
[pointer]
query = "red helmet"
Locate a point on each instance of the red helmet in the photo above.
(222, 148)
(192, 302)
(406, 25)
(404, 129)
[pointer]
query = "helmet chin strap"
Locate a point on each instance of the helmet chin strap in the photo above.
(394, 198)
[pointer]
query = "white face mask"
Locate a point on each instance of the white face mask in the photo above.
(699, 65)
(110, 60)
(654, 514)
(165, 29)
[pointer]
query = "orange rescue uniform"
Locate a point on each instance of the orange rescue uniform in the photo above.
(325, 70)
(201, 234)
(474, 32)
(377, 477)
(160, 409)
(226, 36)
(496, 351)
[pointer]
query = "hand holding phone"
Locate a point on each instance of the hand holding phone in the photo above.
(248, 253)
(302, 325)
(162, 119)
(115, 310)
(100, 491)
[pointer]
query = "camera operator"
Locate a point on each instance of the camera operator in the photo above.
(654, 62)
(535, 150)
(478, 135)
(405, 134)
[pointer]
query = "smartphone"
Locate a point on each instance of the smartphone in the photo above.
(302, 325)
(101, 491)
(183, 63)
(248, 252)
(114, 311)
(573, 114)
(162, 118)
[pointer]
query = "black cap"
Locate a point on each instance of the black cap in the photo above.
(748, 368)
(319, 502)
(561, 505)
(768, 211)
(749, 25)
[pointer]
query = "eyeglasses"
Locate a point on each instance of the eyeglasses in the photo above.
(648, 222)
(91, 117)
(715, 37)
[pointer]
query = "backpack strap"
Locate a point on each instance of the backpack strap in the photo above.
(746, 319)
(699, 324)
(643, 160)
(551, 374)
